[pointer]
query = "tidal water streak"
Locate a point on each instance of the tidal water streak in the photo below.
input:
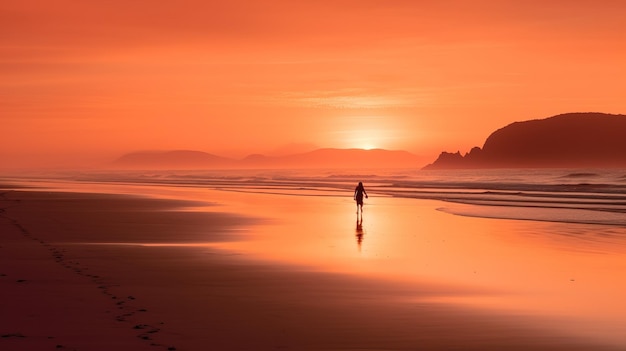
(559, 195)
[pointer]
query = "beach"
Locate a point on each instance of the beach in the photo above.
(147, 267)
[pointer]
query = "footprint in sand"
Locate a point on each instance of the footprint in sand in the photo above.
(13, 335)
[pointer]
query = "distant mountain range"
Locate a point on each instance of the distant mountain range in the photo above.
(567, 140)
(321, 158)
(572, 140)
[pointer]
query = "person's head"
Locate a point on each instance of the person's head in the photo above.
(360, 184)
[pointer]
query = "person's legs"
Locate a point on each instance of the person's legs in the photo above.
(359, 203)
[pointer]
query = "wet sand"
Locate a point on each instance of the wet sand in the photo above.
(81, 271)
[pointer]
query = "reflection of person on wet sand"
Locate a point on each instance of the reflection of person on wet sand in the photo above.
(359, 191)
(359, 232)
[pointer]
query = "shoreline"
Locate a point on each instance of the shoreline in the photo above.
(190, 298)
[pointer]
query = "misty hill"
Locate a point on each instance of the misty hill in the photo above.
(176, 159)
(567, 140)
(321, 158)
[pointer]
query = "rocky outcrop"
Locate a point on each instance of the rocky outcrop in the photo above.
(567, 140)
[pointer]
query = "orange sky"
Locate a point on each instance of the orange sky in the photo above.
(85, 81)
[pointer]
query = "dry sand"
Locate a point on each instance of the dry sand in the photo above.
(58, 294)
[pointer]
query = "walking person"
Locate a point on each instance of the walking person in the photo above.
(359, 191)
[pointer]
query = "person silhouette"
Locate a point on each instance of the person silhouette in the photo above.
(359, 191)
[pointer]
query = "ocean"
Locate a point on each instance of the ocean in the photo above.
(588, 196)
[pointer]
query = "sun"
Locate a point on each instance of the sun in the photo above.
(366, 140)
(367, 146)
(366, 133)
